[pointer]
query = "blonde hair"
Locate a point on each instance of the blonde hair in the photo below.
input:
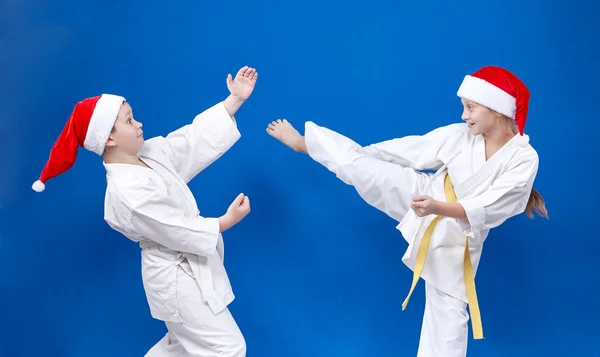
(536, 201)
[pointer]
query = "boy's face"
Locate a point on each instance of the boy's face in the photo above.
(127, 136)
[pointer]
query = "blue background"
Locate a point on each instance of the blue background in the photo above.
(316, 271)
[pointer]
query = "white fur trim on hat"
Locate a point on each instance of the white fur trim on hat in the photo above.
(487, 94)
(102, 121)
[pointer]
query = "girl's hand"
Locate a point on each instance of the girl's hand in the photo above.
(424, 205)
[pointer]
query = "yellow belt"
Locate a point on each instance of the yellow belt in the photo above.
(467, 268)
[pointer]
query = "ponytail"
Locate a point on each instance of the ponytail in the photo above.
(536, 203)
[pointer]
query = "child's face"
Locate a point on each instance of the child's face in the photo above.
(479, 118)
(127, 136)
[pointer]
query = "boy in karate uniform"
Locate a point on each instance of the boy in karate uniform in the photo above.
(148, 200)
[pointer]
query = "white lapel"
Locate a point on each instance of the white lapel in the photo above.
(489, 167)
(478, 152)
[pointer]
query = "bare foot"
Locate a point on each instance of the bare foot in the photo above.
(283, 131)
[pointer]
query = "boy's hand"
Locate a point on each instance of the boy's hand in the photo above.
(243, 84)
(238, 210)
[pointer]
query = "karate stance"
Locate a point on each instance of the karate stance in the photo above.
(485, 173)
(148, 200)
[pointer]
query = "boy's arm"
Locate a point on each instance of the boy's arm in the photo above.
(197, 145)
(232, 104)
(213, 132)
(158, 218)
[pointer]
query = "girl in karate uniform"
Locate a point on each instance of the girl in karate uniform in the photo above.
(484, 174)
(148, 201)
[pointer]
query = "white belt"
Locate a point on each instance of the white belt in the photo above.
(203, 277)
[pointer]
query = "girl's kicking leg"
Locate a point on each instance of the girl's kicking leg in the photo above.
(389, 187)
(386, 186)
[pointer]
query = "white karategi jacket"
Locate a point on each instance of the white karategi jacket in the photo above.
(156, 208)
(490, 191)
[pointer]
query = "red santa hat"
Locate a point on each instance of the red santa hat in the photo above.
(89, 126)
(499, 90)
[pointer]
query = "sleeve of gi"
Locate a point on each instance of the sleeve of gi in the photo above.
(507, 196)
(157, 218)
(197, 145)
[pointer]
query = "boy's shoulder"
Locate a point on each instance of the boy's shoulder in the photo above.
(129, 192)
(157, 149)
(154, 146)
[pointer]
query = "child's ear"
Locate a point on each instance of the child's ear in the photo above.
(110, 142)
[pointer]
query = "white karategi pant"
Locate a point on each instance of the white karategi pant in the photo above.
(201, 334)
(445, 325)
(390, 188)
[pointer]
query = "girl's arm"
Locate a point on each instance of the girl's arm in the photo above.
(450, 209)
(505, 198)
